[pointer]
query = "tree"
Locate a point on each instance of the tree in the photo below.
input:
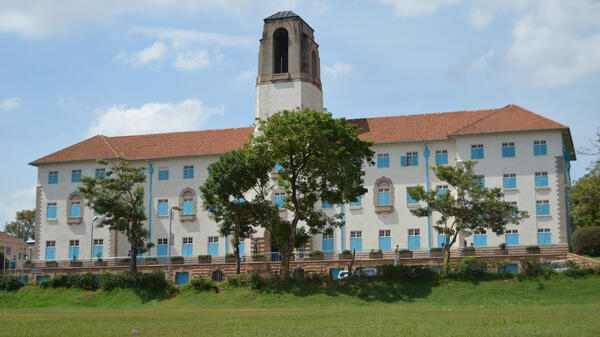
(23, 226)
(466, 208)
(119, 196)
(585, 196)
(321, 158)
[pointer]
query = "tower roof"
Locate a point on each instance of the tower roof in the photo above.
(282, 15)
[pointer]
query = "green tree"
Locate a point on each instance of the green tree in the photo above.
(322, 159)
(24, 225)
(119, 196)
(585, 196)
(466, 208)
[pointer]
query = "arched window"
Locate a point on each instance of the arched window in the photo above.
(280, 51)
(217, 275)
(313, 62)
(187, 202)
(74, 208)
(383, 193)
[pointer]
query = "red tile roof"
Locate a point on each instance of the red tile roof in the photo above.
(409, 128)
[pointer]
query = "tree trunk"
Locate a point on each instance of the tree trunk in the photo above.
(446, 261)
(133, 258)
(285, 252)
(237, 260)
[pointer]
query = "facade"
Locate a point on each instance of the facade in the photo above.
(12, 246)
(524, 153)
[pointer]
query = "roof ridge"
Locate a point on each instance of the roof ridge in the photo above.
(425, 114)
(105, 139)
(546, 118)
(179, 132)
(479, 120)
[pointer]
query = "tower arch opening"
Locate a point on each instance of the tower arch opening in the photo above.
(280, 51)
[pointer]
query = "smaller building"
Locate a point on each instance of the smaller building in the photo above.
(12, 246)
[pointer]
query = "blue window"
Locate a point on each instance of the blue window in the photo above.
(508, 150)
(511, 268)
(383, 160)
(163, 174)
(357, 202)
(50, 250)
(514, 211)
(385, 239)
(327, 242)
(356, 241)
(96, 213)
(75, 209)
(51, 210)
(512, 237)
(509, 180)
(188, 205)
(41, 278)
(480, 180)
(162, 247)
(441, 240)
(163, 207)
(182, 278)
(100, 172)
(539, 148)
(242, 248)
(76, 176)
(213, 245)
(541, 179)
(480, 238)
(188, 172)
(383, 196)
(73, 249)
(409, 199)
(277, 167)
(441, 156)
(414, 239)
(542, 207)
(411, 159)
(325, 204)
(441, 189)
(53, 177)
(98, 250)
(279, 200)
(477, 151)
(187, 248)
(544, 236)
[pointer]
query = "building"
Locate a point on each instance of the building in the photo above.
(12, 246)
(526, 154)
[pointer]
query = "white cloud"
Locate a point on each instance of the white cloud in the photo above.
(245, 77)
(338, 69)
(479, 18)
(406, 8)
(478, 63)
(16, 201)
(10, 103)
(190, 114)
(193, 60)
(152, 53)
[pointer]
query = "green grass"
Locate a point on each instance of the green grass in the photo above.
(560, 306)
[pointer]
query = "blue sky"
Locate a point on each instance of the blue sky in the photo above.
(73, 69)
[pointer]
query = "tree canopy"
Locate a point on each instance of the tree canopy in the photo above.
(24, 225)
(585, 196)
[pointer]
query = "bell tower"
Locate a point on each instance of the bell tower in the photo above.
(289, 73)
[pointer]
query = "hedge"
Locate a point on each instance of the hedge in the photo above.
(10, 282)
(586, 241)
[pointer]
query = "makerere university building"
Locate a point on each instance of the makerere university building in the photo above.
(524, 153)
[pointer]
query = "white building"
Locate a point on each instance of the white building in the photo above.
(526, 154)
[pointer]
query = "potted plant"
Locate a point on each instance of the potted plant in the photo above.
(204, 258)
(533, 249)
(28, 264)
(100, 262)
(316, 255)
(468, 251)
(346, 255)
(436, 252)
(151, 260)
(52, 264)
(405, 253)
(230, 258)
(376, 254)
(177, 259)
(75, 263)
(292, 257)
(124, 261)
(502, 249)
(258, 257)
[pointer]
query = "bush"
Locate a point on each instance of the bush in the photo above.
(258, 255)
(347, 251)
(82, 281)
(586, 241)
(436, 249)
(404, 250)
(530, 267)
(316, 252)
(404, 272)
(154, 282)
(534, 247)
(502, 245)
(150, 259)
(237, 281)
(230, 255)
(10, 282)
(469, 248)
(255, 281)
(376, 251)
(202, 257)
(203, 284)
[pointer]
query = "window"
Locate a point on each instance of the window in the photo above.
(385, 233)
(188, 204)
(217, 276)
(51, 210)
(163, 174)
(508, 150)
(409, 199)
(327, 235)
(479, 238)
(477, 151)
(162, 247)
(541, 179)
(98, 242)
(414, 232)
(325, 204)
(383, 160)
(385, 240)
(355, 234)
(163, 241)
(441, 156)
(277, 167)
(187, 248)
(480, 180)
(163, 207)
(279, 199)
(539, 148)
(98, 249)
(512, 237)
(75, 208)
(280, 51)
(509, 180)
(188, 172)
(543, 236)
(50, 250)
(414, 238)
(542, 207)
(514, 211)
(50, 243)
(187, 240)
(357, 202)
(53, 177)
(75, 176)
(441, 189)
(383, 196)
(100, 172)
(213, 239)
(411, 159)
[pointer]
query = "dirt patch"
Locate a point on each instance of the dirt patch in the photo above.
(83, 297)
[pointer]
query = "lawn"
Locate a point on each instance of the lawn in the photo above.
(560, 306)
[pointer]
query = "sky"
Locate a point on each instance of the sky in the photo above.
(73, 69)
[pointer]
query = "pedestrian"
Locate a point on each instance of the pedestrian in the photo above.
(13, 262)
(465, 243)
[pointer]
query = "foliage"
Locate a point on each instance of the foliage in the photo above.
(468, 206)
(202, 257)
(502, 245)
(586, 241)
(154, 282)
(321, 159)
(405, 272)
(258, 255)
(436, 249)
(203, 284)
(4, 261)
(404, 250)
(9, 282)
(533, 247)
(230, 255)
(237, 280)
(24, 225)
(346, 251)
(530, 267)
(585, 197)
(82, 281)
(315, 253)
(120, 197)
(376, 251)
(469, 248)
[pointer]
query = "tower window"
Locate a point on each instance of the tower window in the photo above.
(313, 62)
(280, 51)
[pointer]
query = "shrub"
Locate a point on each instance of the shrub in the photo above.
(404, 272)
(436, 249)
(124, 259)
(177, 259)
(502, 245)
(404, 250)
(376, 251)
(255, 281)
(347, 251)
(586, 241)
(203, 284)
(202, 257)
(151, 259)
(530, 266)
(237, 281)
(230, 255)
(534, 247)
(316, 252)
(10, 282)
(82, 281)
(469, 248)
(258, 255)
(154, 282)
